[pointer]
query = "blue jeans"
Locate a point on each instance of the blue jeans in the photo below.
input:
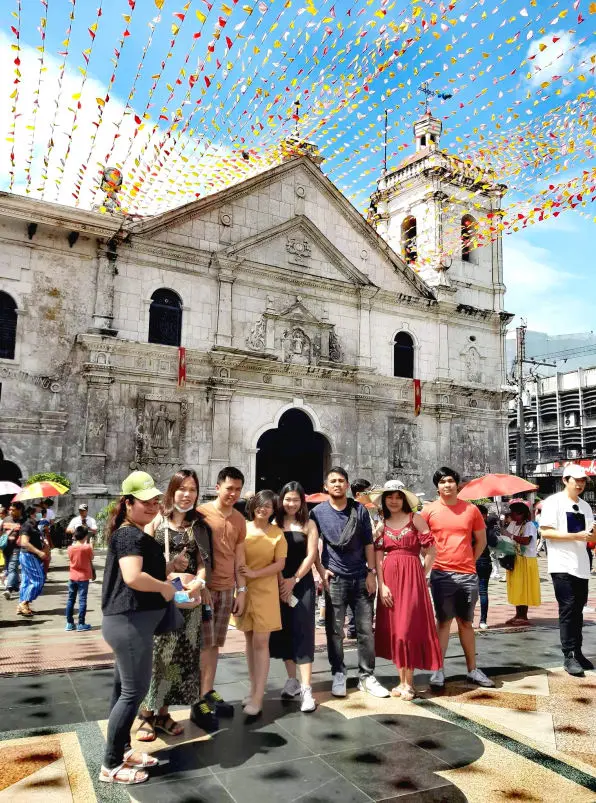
(12, 571)
(81, 587)
(483, 590)
(344, 591)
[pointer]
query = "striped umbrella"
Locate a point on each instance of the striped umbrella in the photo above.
(39, 490)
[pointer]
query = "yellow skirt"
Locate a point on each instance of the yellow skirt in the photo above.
(523, 583)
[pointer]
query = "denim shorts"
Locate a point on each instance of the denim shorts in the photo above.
(454, 595)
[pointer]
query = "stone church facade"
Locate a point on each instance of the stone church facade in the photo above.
(304, 326)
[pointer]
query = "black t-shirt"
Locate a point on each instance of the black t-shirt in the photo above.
(29, 529)
(116, 596)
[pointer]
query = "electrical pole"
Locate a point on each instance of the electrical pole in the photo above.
(520, 339)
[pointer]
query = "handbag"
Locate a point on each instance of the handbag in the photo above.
(172, 620)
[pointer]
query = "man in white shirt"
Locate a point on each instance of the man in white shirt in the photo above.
(567, 522)
(83, 520)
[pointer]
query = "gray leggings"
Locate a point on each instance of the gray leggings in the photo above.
(130, 635)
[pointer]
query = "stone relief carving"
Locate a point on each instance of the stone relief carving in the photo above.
(256, 338)
(300, 248)
(473, 366)
(335, 351)
(295, 334)
(160, 430)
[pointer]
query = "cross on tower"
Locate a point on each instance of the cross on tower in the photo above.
(432, 93)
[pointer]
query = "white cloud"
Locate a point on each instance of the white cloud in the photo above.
(61, 105)
(546, 296)
(565, 58)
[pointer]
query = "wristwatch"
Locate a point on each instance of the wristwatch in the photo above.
(372, 571)
(240, 589)
(296, 578)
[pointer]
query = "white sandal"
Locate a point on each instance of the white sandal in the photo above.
(130, 775)
(146, 760)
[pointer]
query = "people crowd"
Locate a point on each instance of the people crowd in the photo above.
(178, 573)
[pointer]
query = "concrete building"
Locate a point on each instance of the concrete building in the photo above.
(304, 327)
(560, 426)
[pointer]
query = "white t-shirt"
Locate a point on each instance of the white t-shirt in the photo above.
(566, 556)
(527, 531)
(78, 522)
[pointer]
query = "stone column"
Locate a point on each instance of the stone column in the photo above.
(223, 335)
(93, 456)
(220, 433)
(103, 309)
(366, 294)
(364, 439)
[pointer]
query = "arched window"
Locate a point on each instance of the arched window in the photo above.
(469, 238)
(165, 318)
(403, 355)
(408, 239)
(8, 326)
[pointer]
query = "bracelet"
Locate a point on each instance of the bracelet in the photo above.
(241, 589)
(200, 581)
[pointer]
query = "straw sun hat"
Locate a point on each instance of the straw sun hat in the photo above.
(391, 486)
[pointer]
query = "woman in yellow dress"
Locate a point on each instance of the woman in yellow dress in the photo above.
(523, 581)
(266, 549)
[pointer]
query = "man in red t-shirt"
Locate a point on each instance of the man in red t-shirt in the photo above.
(460, 537)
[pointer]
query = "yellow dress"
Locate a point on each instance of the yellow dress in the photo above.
(262, 612)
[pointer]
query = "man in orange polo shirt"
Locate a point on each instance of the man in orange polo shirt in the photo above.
(460, 537)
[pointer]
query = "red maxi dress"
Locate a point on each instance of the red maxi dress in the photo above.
(406, 633)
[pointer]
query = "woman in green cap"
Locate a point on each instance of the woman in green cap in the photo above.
(134, 598)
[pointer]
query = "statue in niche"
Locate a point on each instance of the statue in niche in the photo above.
(298, 341)
(472, 363)
(256, 338)
(402, 447)
(296, 346)
(161, 428)
(335, 352)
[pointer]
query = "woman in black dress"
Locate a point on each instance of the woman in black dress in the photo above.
(295, 642)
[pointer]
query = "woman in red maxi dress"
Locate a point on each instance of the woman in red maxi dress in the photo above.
(405, 630)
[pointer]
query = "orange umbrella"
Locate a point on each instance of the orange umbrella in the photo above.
(318, 497)
(495, 485)
(39, 490)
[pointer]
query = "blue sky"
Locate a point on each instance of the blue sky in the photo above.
(518, 71)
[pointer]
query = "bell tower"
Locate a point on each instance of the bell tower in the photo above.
(442, 214)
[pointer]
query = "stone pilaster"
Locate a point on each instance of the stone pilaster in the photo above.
(223, 335)
(364, 335)
(103, 309)
(220, 433)
(92, 476)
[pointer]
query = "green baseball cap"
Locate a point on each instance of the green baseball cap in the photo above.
(140, 485)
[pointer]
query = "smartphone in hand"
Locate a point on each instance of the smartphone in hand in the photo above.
(177, 583)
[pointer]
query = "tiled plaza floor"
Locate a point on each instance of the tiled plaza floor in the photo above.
(532, 738)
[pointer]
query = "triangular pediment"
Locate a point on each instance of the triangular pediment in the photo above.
(299, 246)
(297, 312)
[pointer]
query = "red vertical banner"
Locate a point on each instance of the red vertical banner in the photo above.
(417, 397)
(181, 366)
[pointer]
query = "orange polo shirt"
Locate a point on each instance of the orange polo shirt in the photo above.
(227, 533)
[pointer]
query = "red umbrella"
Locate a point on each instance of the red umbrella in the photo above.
(495, 485)
(318, 497)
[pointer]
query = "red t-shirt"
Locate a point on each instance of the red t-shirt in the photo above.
(452, 527)
(80, 557)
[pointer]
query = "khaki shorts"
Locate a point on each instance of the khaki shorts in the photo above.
(215, 630)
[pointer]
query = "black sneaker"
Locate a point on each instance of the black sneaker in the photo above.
(584, 662)
(573, 667)
(203, 717)
(217, 704)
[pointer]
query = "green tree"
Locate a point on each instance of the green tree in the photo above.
(49, 476)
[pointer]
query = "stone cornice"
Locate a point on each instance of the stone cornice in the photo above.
(56, 215)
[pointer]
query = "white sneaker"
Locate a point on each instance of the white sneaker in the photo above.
(478, 677)
(437, 679)
(291, 688)
(483, 626)
(371, 685)
(338, 687)
(308, 701)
